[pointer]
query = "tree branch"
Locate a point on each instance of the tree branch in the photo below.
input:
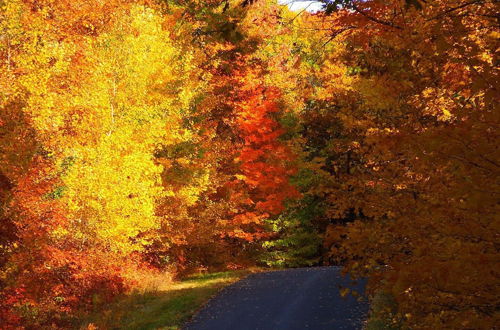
(455, 8)
(374, 19)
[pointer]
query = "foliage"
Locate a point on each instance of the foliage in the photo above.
(296, 245)
(141, 135)
(422, 157)
(164, 305)
(383, 313)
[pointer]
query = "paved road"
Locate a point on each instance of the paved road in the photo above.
(302, 298)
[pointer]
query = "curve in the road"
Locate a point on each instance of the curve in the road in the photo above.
(293, 299)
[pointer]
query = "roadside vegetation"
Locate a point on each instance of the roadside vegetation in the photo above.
(164, 303)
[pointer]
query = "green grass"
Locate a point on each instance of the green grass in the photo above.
(167, 306)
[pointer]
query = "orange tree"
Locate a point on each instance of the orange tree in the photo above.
(235, 160)
(413, 86)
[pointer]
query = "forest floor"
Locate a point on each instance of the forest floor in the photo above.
(166, 306)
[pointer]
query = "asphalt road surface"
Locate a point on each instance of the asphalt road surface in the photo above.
(293, 299)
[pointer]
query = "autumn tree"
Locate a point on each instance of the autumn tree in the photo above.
(85, 183)
(235, 159)
(413, 86)
(186, 135)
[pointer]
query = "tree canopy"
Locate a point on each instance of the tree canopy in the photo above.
(178, 135)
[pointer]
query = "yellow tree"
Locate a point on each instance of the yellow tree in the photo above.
(93, 89)
(101, 105)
